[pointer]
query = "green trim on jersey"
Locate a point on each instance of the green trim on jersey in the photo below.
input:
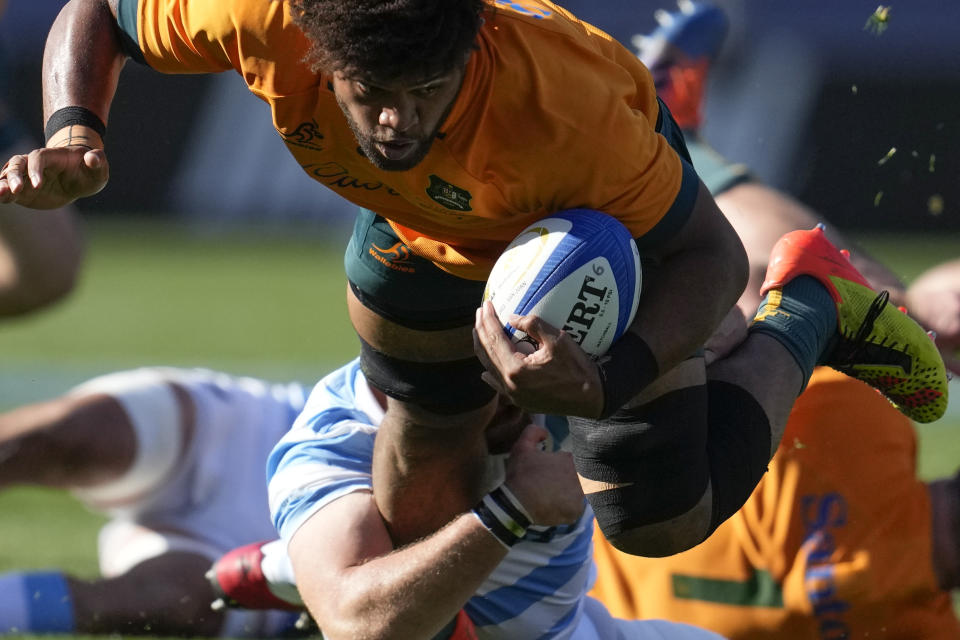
(679, 212)
(716, 172)
(760, 590)
(127, 23)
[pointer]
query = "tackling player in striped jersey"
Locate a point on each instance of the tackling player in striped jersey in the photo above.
(528, 582)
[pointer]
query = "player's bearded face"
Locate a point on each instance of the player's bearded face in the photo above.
(395, 122)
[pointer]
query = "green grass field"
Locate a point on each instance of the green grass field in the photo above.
(244, 303)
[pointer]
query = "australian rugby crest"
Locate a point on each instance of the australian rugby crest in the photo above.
(449, 195)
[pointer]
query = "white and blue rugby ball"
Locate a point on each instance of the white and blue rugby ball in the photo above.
(578, 270)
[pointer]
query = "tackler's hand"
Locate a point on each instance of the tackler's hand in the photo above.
(545, 482)
(552, 376)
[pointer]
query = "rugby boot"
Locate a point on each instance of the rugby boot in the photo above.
(679, 53)
(238, 580)
(875, 341)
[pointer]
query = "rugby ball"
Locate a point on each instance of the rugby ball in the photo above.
(578, 270)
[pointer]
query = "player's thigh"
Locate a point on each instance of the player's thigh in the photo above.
(645, 469)
(661, 430)
(167, 593)
(404, 304)
(415, 322)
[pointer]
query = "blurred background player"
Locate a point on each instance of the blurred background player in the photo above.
(934, 298)
(841, 538)
(679, 54)
(41, 252)
(175, 459)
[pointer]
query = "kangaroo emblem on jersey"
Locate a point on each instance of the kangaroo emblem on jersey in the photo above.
(448, 195)
(393, 257)
(306, 134)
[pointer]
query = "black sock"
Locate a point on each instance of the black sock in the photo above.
(802, 317)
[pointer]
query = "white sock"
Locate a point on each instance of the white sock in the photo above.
(278, 572)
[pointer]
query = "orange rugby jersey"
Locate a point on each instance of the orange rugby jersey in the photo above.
(553, 114)
(834, 543)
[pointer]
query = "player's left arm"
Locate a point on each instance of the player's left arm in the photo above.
(356, 586)
(699, 274)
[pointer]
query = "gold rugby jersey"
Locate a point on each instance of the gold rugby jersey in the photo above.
(552, 114)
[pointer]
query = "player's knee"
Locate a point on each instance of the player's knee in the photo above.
(650, 505)
(72, 440)
(661, 539)
(645, 469)
(738, 447)
(617, 512)
(737, 452)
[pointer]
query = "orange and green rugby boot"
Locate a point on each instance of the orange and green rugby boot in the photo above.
(874, 341)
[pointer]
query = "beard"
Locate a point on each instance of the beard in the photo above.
(367, 144)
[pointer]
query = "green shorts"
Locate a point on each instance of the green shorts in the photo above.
(402, 287)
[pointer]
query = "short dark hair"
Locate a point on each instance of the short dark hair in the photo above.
(389, 39)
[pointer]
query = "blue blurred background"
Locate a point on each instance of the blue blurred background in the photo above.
(801, 92)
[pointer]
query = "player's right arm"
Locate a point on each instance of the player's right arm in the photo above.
(357, 586)
(85, 52)
(81, 66)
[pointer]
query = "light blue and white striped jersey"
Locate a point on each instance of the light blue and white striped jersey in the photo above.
(537, 591)
(328, 454)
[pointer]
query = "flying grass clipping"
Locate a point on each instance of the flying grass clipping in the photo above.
(879, 21)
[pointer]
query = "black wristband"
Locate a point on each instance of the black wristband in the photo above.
(625, 370)
(503, 515)
(73, 115)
